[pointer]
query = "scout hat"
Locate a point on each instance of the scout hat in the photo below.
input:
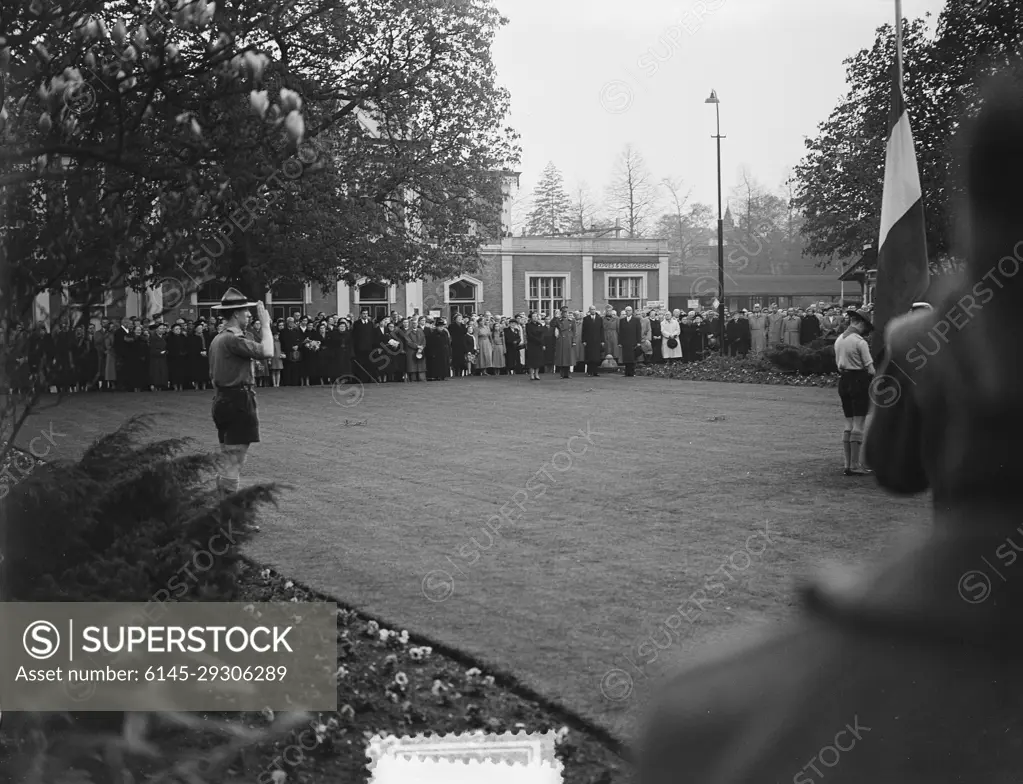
(863, 316)
(233, 300)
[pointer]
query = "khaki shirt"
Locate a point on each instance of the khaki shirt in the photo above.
(231, 355)
(853, 353)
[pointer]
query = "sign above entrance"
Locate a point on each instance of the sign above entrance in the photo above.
(625, 265)
(655, 304)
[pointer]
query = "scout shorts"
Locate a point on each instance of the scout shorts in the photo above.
(236, 416)
(854, 390)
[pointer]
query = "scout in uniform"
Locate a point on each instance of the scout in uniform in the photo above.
(234, 400)
(856, 366)
(910, 672)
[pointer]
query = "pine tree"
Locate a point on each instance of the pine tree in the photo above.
(552, 208)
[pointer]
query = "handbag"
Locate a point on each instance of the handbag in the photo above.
(672, 343)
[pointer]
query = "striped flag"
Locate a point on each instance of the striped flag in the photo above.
(902, 273)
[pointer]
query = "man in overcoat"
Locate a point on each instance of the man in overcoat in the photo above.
(630, 338)
(593, 341)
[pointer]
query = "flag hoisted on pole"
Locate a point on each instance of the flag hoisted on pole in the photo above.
(902, 273)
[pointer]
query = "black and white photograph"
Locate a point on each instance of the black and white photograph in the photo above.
(292, 492)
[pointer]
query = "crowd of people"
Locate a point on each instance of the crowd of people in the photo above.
(139, 354)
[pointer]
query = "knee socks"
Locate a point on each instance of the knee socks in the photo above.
(855, 440)
(846, 448)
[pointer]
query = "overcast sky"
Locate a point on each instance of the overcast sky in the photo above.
(586, 78)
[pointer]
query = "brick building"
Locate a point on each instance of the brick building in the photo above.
(517, 274)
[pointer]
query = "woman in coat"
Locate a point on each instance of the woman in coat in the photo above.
(485, 347)
(564, 343)
(85, 358)
(99, 340)
(439, 352)
(536, 339)
(459, 336)
(159, 370)
(499, 350)
(671, 332)
(198, 357)
(177, 358)
(512, 344)
(394, 346)
(345, 349)
(611, 337)
(319, 359)
(331, 354)
(549, 341)
(276, 362)
(415, 349)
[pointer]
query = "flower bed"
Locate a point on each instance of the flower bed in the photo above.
(389, 682)
(738, 370)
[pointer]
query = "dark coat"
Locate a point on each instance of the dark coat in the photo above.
(198, 365)
(593, 339)
(438, 353)
(512, 346)
(364, 337)
(460, 345)
(630, 335)
(549, 344)
(536, 339)
(809, 329)
(159, 369)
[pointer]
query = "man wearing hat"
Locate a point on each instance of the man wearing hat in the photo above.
(234, 400)
(856, 366)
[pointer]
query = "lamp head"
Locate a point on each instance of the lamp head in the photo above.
(713, 97)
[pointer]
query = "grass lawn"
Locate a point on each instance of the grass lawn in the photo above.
(602, 540)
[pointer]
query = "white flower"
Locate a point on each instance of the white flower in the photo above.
(403, 636)
(259, 102)
(278, 777)
(472, 672)
(489, 680)
(401, 679)
(416, 654)
(347, 711)
(341, 672)
(437, 688)
(373, 627)
(294, 599)
(427, 650)
(290, 100)
(265, 574)
(255, 63)
(384, 634)
(289, 584)
(295, 126)
(561, 735)
(268, 714)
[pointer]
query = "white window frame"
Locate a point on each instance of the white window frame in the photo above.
(99, 311)
(468, 279)
(567, 276)
(392, 292)
(625, 274)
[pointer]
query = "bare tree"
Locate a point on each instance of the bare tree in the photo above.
(632, 195)
(584, 209)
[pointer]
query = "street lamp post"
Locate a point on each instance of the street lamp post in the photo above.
(721, 230)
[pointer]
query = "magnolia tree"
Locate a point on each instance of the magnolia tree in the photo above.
(261, 141)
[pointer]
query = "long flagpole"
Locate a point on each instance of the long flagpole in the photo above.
(898, 42)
